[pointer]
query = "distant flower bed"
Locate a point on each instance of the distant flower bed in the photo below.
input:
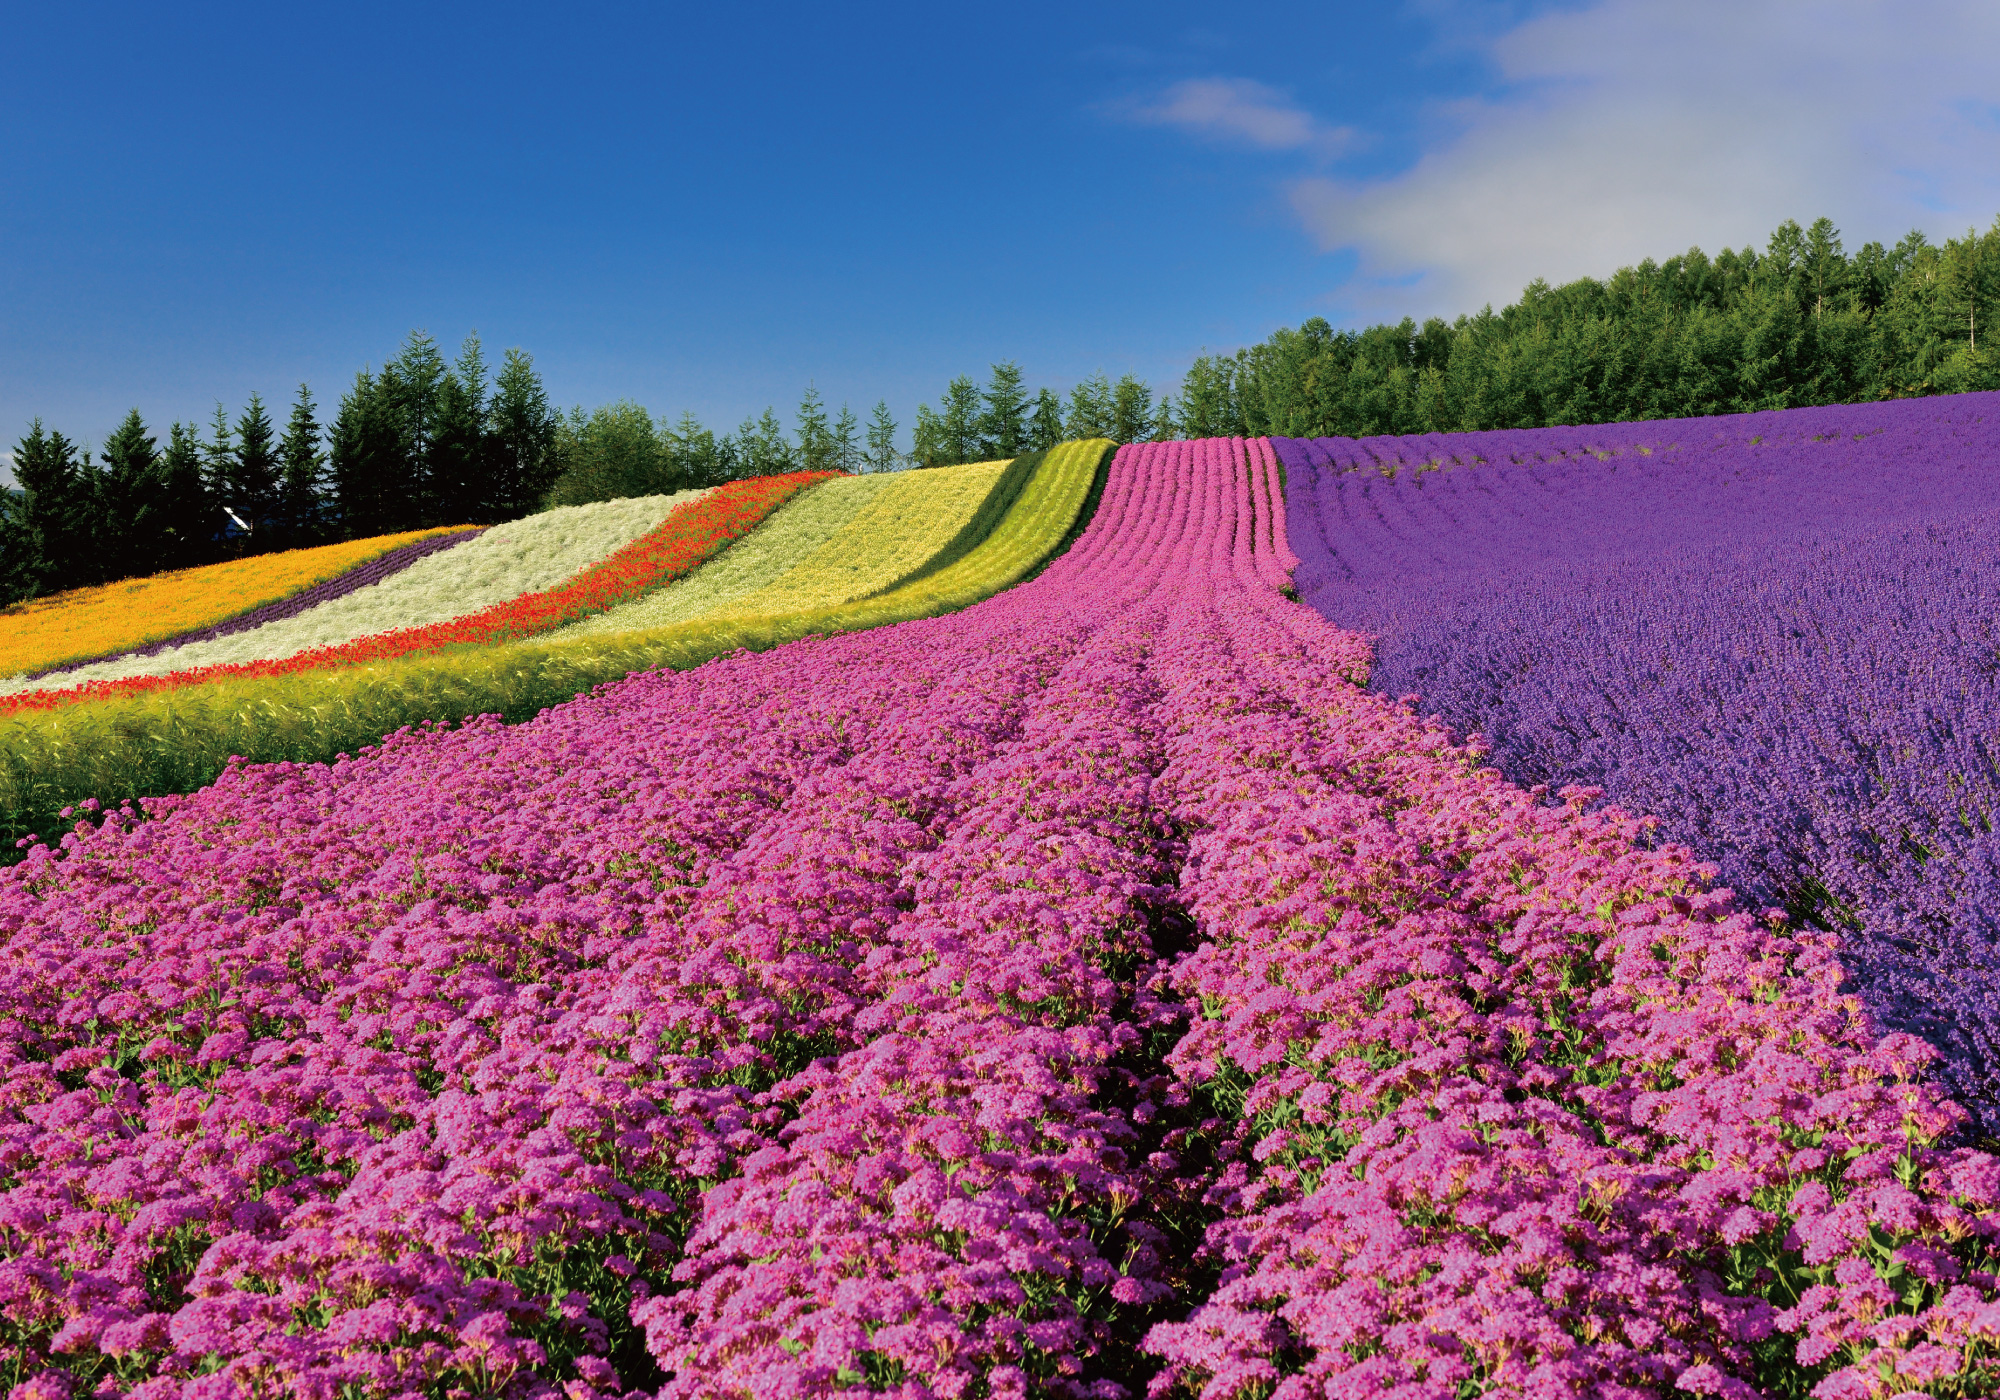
(89, 624)
(696, 525)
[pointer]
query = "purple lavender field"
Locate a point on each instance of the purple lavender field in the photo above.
(1780, 632)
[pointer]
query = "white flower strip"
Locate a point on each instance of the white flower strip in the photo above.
(522, 556)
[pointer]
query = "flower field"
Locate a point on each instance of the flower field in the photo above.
(850, 538)
(499, 565)
(1776, 633)
(1090, 990)
(157, 735)
(90, 624)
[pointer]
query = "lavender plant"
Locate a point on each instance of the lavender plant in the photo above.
(1780, 633)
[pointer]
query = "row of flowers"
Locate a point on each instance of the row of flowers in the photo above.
(689, 535)
(112, 619)
(1087, 992)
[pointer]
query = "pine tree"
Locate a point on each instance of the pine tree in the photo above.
(522, 430)
(184, 512)
(847, 441)
(816, 446)
(699, 458)
(765, 449)
(415, 381)
(1091, 412)
(253, 475)
(300, 514)
(57, 510)
(460, 491)
(1045, 428)
(368, 459)
(17, 574)
(218, 459)
(1131, 411)
(927, 446)
(882, 455)
(125, 527)
(1003, 423)
(959, 421)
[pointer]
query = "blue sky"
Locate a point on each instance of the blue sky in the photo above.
(706, 207)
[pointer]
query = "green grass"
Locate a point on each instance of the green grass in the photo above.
(176, 741)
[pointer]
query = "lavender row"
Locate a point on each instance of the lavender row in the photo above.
(1776, 633)
(353, 580)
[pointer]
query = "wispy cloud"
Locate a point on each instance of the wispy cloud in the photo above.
(1240, 111)
(1633, 129)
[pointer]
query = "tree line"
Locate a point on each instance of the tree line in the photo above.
(424, 442)
(1800, 323)
(418, 443)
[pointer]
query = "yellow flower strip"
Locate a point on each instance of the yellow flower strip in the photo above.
(118, 617)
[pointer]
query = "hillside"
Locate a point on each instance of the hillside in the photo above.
(1060, 969)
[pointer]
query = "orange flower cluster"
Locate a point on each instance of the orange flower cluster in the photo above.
(685, 539)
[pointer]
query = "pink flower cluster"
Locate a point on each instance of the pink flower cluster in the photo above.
(1091, 991)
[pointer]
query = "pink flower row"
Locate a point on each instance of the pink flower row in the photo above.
(1090, 990)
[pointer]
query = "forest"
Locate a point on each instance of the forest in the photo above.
(424, 442)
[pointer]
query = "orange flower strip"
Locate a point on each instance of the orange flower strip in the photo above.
(685, 539)
(117, 617)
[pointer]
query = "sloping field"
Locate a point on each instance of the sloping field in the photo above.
(523, 556)
(836, 544)
(90, 624)
(1776, 633)
(317, 705)
(1089, 992)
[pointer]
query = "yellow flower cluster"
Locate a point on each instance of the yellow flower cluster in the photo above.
(117, 617)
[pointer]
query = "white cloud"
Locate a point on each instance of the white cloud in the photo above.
(1634, 129)
(6, 469)
(1240, 111)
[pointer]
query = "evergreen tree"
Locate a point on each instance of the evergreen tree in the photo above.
(612, 453)
(57, 511)
(123, 511)
(698, 457)
(763, 447)
(847, 441)
(1091, 411)
(368, 460)
(1131, 411)
(882, 455)
(958, 421)
(522, 428)
(1208, 407)
(1045, 428)
(184, 515)
(218, 460)
(927, 447)
(17, 573)
(300, 517)
(460, 491)
(1003, 422)
(253, 474)
(415, 380)
(816, 446)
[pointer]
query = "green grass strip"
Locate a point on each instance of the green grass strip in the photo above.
(177, 741)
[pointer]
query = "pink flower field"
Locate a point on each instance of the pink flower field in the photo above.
(1096, 992)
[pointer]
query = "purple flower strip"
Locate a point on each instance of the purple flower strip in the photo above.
(339, 586)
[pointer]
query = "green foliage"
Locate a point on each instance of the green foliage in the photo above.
(1003, 423)
(882, 455)
(1800, 323)
(611, 453)
(177, 740)
(250, 479)
(300, 517)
